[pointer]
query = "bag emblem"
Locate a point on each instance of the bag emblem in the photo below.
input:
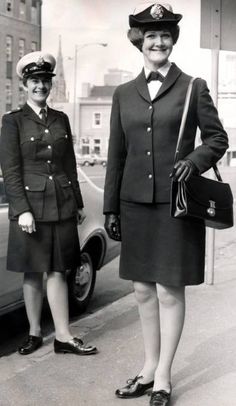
(211, 210)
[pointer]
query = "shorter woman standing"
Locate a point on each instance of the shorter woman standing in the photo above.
(161, 255)
(39, 170)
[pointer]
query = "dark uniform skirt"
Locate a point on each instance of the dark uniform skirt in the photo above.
(158, 248)
(53, 247)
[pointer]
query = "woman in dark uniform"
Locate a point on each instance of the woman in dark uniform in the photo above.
(39, 170)
(160, 254)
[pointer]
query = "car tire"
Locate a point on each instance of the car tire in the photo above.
(86, 163)
(81, 282)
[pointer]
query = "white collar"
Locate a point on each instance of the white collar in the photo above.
(163, 70)
(36, 108)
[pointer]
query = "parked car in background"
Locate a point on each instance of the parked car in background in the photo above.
(85, 160)
(96, 248)
(101, 160)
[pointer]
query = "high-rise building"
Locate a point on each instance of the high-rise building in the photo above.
(58, 94)
(20, 33)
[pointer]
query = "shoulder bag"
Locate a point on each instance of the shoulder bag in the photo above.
(199, 197)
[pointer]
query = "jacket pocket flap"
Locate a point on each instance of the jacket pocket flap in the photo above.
(35, 183)
(63, 180)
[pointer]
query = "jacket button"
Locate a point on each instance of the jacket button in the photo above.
(46, 131)
(27, 187)
(149, 129)
(150, 107)
(50, 177)
(69, 182)
(49, 147)
(66, 136)
(150, 176)
(148, 153)
(32, 139)
(49, 162)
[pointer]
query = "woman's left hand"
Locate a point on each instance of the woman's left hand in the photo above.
(81, 216)
(183, 170)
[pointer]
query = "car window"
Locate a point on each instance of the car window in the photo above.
(3, 197)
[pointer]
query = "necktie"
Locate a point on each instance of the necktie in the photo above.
(155, 76)
(43, 115)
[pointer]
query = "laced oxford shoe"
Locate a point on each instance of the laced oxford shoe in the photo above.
(31, 344)
(160, 398)
(134, 389)
(74, 346)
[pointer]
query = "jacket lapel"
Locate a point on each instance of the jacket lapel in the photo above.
(27, 111)
(172, 76)
(141, 85)
(52, 116)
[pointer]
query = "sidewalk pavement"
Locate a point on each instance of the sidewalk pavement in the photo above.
(204, 371)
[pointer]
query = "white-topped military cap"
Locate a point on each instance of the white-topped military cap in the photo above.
(36, 63)
(153, 13)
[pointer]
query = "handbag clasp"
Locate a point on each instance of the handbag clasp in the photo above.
(211, 210)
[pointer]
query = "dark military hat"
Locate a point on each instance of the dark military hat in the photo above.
(36, 63)
(153, 14)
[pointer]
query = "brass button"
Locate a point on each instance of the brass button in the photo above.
(27, 187)
(49, 147)
(148, 153)
(32, 139)
(50, 177)
(66, 136)
(69, 182)
(149, 129)
(150, 176)
(150, 107)
(49, 162)
(46, 131)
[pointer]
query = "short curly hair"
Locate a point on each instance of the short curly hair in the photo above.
(136, 34)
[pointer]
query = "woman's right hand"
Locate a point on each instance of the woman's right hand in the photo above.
(26, 222)
(112, 226)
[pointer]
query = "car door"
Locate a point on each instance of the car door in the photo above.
(10, 282)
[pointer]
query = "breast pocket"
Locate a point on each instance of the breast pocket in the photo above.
(29, 145)
(35, 186)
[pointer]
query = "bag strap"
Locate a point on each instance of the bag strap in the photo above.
(182, 128)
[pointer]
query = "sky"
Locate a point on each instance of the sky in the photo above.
(81, 22)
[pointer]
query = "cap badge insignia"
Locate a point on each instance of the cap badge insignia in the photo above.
(40, 61)
(157, 11)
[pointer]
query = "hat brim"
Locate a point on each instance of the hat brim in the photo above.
(39, 73)
(134, 22)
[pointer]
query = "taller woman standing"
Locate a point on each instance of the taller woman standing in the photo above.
(159, 254)
(40, 176)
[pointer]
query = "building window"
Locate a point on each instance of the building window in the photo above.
(97, 141)
(9, 6)
(22, 9)
(8, 94)
(9, 44)
(34, 12)
(33, 46)
(21, 48)
(21, 94)
(97, 120)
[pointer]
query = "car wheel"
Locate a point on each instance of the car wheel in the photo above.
(86, 163)
(81, 282)
(104, 164)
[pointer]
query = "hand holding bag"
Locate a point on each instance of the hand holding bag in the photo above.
(200, 197)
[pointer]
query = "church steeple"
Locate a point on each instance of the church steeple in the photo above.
(59, 91)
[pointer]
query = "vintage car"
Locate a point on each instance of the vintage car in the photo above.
(97, 250)
(84, 160)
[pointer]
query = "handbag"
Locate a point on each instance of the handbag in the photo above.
(199, 197)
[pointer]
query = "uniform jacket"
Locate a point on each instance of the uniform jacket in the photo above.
(144, 134)
(38, 164)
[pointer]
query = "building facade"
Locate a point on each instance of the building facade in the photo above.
(20, 33)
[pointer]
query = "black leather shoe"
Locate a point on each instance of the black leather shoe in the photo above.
(74, 346)
(134, 389)
(30, 345)
(160, 398)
